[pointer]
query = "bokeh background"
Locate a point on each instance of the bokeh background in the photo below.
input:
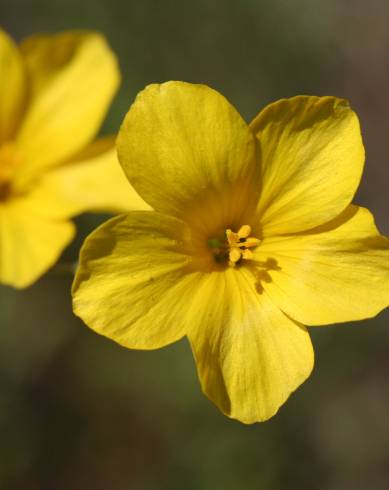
(78, 411)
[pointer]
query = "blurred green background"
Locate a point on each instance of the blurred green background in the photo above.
(78, 411)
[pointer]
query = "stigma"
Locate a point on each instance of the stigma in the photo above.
(235, 246)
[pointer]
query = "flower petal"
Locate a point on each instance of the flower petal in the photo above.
(180, 141)
(132, 284)
(94, 181)
(250, 356)
(312, 157)
(74, 76)
(338, 272)
(138, 284)
(12, 87)
(29, 243)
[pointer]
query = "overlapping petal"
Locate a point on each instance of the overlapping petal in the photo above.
(73, 75)
(180, 142)
(94, 181)
(312, 158)
(250, 356)
(29, 242)
(336, 273)
(133, 283)
(12, 87)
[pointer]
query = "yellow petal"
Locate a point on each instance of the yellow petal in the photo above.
(181, 142)
(29, 243)
(94, 181)
(250, 356)
(138, 284)
(312, 157)
(338, 272)
(12, 87)
(74, 76)
(132, 283)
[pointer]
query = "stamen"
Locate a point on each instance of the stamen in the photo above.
(244, 231)
(235, 247)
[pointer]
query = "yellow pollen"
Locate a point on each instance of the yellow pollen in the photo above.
(235, 246)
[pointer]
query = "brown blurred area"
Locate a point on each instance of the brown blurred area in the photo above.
(78, 411)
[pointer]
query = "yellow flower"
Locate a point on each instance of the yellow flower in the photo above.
(54, 93)
(252, 236)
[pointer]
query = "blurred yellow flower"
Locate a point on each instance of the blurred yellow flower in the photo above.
(54, 93)
(253, 236)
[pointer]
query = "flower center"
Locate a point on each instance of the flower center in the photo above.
(234, 247)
